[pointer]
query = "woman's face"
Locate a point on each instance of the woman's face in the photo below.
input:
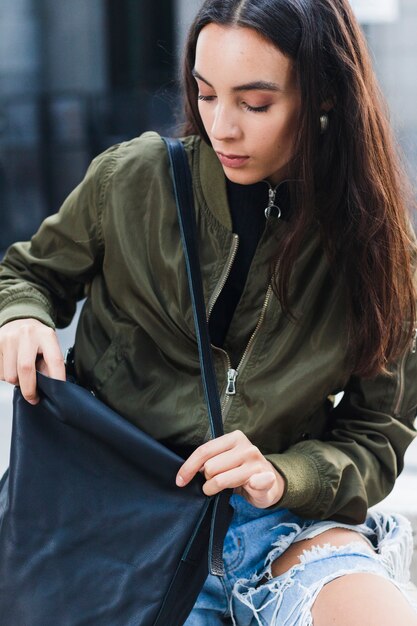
(249, 102)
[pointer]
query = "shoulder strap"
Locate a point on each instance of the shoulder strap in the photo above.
(186, 214)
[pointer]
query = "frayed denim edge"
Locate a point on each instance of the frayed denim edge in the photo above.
(394, 570)
(301, 611)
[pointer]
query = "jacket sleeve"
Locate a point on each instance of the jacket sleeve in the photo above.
(356, 463)
(43, 278)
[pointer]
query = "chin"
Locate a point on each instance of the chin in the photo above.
(242, 178)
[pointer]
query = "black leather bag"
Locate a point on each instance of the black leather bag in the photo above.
(93, 529)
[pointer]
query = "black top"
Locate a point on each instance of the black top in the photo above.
(247, 206)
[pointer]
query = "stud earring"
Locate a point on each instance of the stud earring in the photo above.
(324, 122)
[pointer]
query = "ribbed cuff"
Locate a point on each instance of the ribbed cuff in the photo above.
(303, 481)
(23, 309)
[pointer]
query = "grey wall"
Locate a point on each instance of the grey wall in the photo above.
(53, 57)
(185, 11)
(52, 46)
(394, 47)
(19, 47)
(73, 46)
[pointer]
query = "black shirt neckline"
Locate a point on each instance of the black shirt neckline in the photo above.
(247, 205)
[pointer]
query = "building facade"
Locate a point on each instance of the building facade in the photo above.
(75, 78)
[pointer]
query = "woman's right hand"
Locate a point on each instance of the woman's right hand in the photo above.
(27, 345)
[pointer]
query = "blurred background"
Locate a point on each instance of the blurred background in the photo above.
(76, 77)
(79, 76)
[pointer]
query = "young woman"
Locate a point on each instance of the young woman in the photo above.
(307, 257)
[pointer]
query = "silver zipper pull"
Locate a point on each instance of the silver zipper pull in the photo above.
(231, 382)
(414, 342)
(272, 210)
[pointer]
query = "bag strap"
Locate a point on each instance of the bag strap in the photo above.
(186, 214)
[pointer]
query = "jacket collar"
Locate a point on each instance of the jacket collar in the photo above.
(214, 187)
(213, 184)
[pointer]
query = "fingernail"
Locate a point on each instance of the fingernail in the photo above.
(179, 481)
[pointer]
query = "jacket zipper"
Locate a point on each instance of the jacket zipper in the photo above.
(401, 374)
(221, 283)
(414, 341)
(232, 373)
(272, 210)
(224, 275)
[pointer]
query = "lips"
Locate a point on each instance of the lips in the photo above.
(232, 160)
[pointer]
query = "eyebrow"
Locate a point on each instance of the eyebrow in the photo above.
(263, 85)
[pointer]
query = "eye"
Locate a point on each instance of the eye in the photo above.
(256, 109)
(206, 98)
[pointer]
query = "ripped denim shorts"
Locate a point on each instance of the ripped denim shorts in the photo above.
(248, 595)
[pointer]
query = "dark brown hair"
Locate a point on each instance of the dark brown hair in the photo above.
(352, 181)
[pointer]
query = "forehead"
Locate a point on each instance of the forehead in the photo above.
(240, 54)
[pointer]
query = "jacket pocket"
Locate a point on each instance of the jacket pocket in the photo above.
(108, 362)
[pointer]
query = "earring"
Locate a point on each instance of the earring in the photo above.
(324, 122)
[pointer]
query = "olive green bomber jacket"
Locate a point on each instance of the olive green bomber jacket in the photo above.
(116, 240)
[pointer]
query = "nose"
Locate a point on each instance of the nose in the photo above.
(225, 125)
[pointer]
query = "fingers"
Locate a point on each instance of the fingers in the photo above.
(224, 462)
(41, 366)
(232, 461)
(23, 344)
(26, 372)
(9, 362)
(240, 476)
(261, 482)
(203, 453)
(53, 358)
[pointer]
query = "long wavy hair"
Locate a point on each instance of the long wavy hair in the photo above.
(352, 179)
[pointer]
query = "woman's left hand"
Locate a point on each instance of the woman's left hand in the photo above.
(232, 461)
